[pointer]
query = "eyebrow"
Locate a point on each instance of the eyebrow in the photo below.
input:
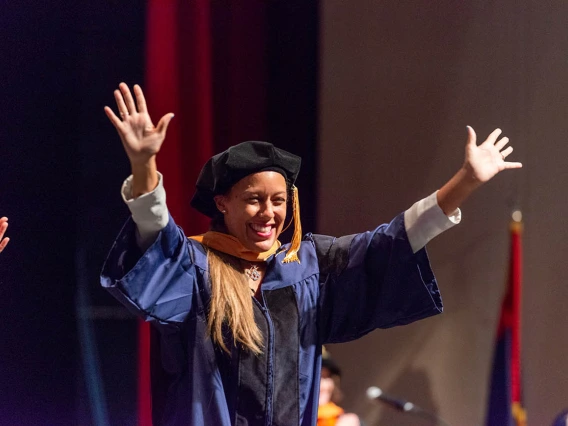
(254, 192)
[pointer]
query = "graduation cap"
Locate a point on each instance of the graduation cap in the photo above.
(328, 362)
(224, 170)
(332, 366)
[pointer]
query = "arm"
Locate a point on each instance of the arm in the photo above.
(431, 216)
(372, 280)
(160, 285)
(3, 227)
(383, 278)
(142, 192)
(425, 220)
(348, 419)
(149, 211)
(481, 164)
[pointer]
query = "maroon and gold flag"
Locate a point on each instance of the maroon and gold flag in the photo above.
(505, 397)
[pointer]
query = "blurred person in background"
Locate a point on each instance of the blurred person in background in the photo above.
(329, 411)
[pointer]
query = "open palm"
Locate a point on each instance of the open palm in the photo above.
(140, 138)
(487, 159)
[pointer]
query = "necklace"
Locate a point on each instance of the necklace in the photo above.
(253, 273)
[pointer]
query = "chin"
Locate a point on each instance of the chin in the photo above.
(262, 246)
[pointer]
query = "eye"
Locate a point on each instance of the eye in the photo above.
(253, 200)
(279, 201)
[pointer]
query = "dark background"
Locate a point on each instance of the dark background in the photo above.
(68, 353)
(398, 82)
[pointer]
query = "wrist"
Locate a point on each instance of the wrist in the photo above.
(467, 178)
(144, 177)
(143, 165)
(457, 190)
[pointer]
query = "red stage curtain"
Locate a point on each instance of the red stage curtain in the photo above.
(230, 72)
(225, 92)
(178, 80)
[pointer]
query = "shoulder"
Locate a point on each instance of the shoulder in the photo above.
(332, 252)
(197, 253)
(291, 272)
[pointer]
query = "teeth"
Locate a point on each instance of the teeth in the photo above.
(260, 228)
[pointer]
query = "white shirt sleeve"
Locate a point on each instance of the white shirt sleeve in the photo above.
(423, 221)
(149, 211)
(426, 220)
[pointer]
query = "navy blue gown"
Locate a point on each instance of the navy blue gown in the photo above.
(342, 289)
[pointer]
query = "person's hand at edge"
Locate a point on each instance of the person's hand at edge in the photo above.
(3, 226)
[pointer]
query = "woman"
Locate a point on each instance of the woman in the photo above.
(242, 319)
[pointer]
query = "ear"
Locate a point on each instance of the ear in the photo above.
(220, 203)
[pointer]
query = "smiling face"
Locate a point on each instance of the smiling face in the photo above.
(255, 209)
(327, 386)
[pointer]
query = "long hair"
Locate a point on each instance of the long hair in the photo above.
(231, 301)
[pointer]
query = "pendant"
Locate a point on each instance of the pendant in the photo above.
(253, 272)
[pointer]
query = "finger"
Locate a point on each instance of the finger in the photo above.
(512, 165)
(471, 136)
(3, 219)
(128, 99)
(501, 143)
(164, 123)
(506, 152)
(122, 109)
(493, 136)
(3, 228)
(4, 243)
(140, 100)
(116, 122)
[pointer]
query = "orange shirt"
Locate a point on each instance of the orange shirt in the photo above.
(328, 414)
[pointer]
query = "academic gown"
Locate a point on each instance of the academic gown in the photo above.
(342, 289)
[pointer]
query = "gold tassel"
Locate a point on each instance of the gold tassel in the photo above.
(292, 253)
(519, 414)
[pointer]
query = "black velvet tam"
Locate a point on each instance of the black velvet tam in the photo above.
(223, 170)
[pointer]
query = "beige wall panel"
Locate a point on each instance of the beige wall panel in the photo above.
(399, 83)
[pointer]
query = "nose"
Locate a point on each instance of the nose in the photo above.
(267, 210)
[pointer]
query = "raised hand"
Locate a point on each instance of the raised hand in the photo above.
(3, 227)
(487, 159)
(140, 138)
(481, 163)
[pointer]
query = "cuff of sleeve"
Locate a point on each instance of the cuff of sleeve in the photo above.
(149, 211)
(425, 220)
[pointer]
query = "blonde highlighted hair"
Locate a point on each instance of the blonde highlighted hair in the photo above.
(231, 303)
